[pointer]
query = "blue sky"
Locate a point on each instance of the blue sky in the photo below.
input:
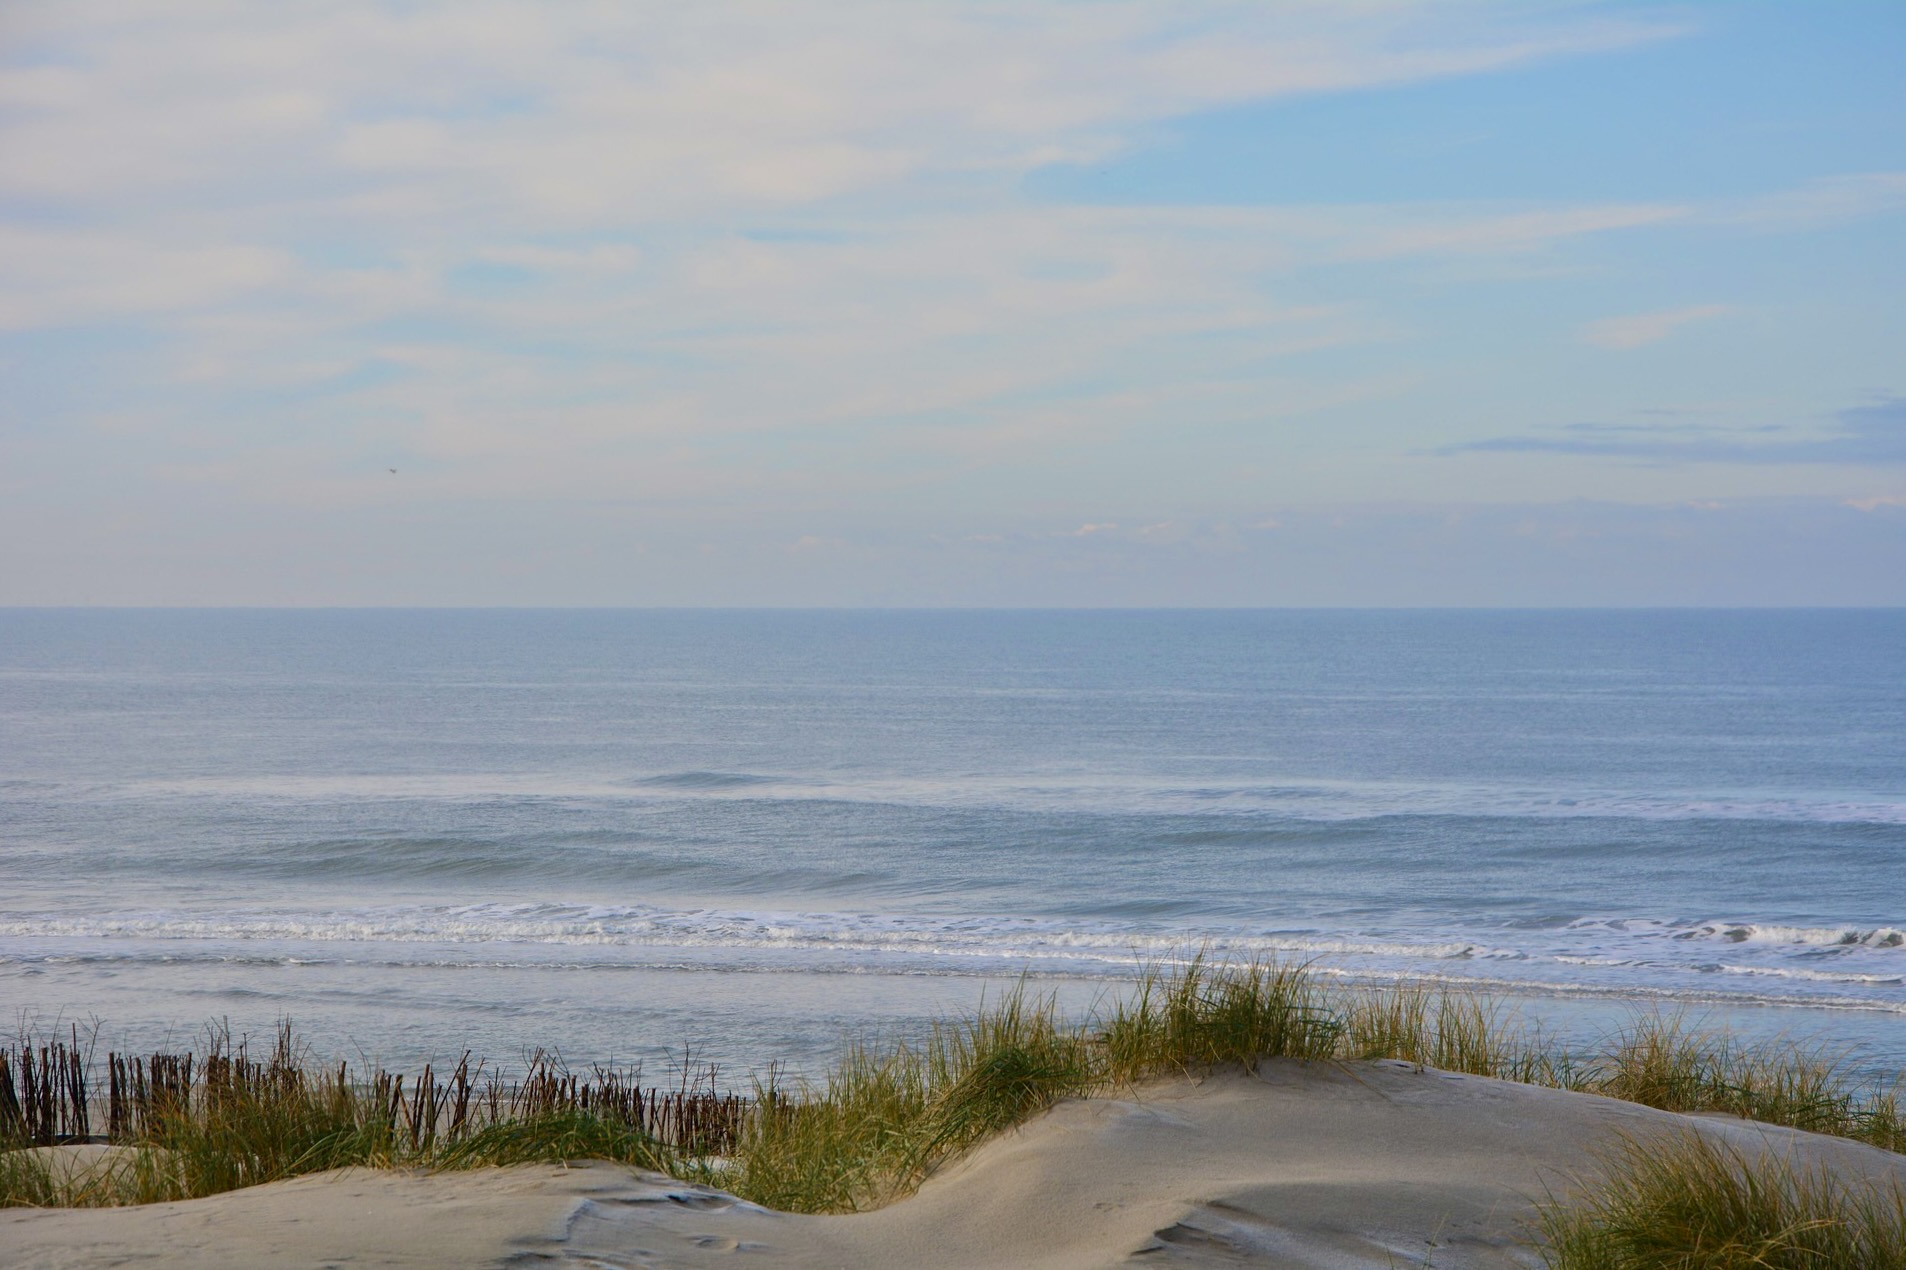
(1082, 303)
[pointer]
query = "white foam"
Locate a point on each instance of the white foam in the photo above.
(649, 927)
(1748, 932)
(1831, 964)
(1815, 976)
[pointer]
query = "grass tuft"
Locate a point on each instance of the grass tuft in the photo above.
(27, 1181)
(1663, 1062)
(554, 1137)
(1198, 1016)
(1000, 1068)
(1695, 1203)
(836, 1147)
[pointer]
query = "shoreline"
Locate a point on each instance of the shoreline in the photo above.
(801, 1020)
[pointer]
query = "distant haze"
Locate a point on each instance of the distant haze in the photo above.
(1378, 303)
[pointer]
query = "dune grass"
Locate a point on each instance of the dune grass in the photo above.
(140, 1175)
(887, 1116)
(1661, 1061)
(1198, 1016)
(550, 1138)
(28, 1182)
(1699, 1204)
(885, 1119)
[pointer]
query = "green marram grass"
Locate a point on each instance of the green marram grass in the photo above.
(1699, 1204)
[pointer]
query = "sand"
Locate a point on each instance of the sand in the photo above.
(1320, 1165)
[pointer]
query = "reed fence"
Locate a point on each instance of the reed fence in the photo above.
(51, 1093)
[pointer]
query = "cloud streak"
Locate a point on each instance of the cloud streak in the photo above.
(586, 113)
(1866, 435)
(1638, 329)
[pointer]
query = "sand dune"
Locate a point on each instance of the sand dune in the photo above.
(1321, 1165)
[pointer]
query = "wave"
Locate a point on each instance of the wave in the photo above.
(1831, 966)
(711, 781)
(1297, 799)
(645, 926)
(1816, 976)
(1611, 944)
(1110, 969)
(1672, 995)
(1597, 947)
(447, 859)
(1817, 937)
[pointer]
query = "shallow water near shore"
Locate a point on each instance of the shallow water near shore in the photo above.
(757, 833)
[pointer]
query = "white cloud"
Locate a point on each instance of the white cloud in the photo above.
(196, 151)
(1637, 329)
(620, 113)
(612, 368)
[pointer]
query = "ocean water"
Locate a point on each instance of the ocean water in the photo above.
(746, 836)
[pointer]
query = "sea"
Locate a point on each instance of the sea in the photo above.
(741, 838)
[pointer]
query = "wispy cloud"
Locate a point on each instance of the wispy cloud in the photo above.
(772, 279)
(1474, 233)
(1817, 203)
(1637, 329)
(633, 111)
(547, 250)
(1873, 434)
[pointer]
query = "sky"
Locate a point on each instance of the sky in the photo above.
(1363, 302)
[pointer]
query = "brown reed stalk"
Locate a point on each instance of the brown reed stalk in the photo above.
(12, 1116)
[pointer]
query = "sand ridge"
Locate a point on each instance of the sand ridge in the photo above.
(1315, 1166)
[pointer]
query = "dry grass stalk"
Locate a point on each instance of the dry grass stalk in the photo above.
(1699, 1204)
